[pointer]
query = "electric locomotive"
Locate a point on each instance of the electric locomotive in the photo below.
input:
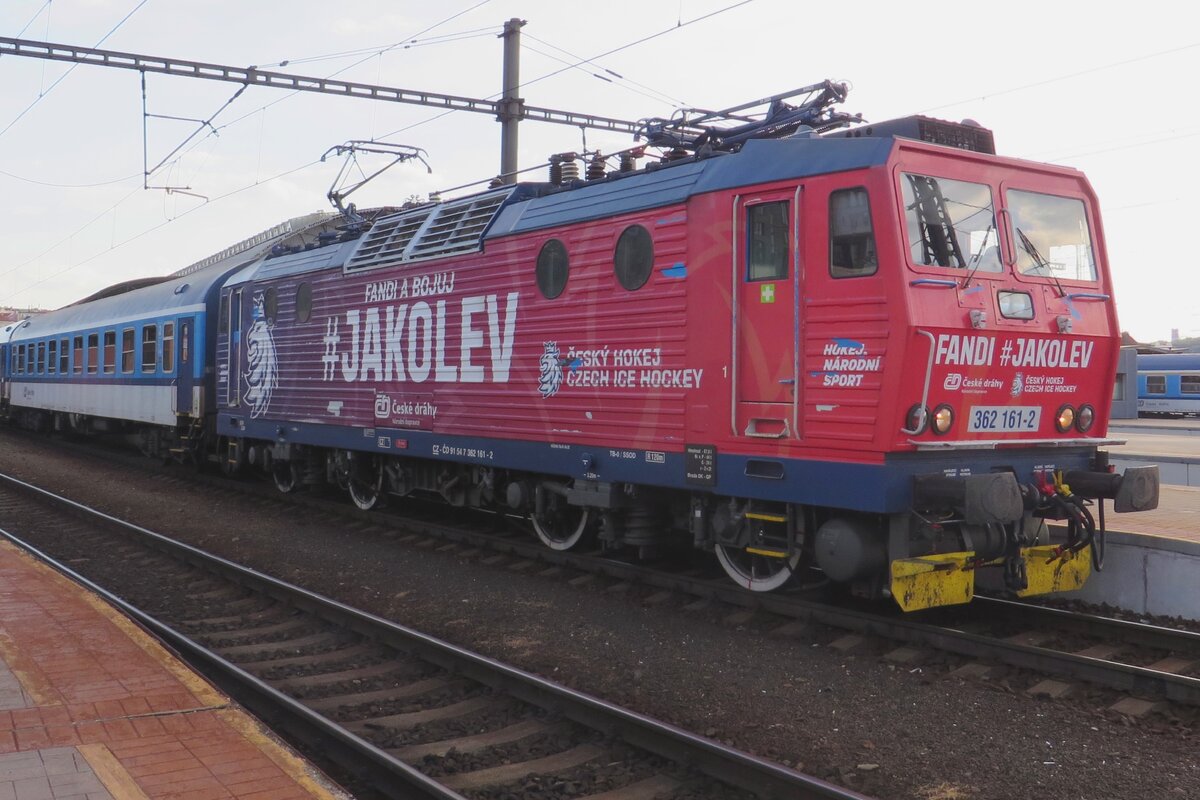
(884, 353)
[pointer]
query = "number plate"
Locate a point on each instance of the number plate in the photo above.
(1004, 419)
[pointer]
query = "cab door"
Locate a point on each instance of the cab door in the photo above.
(233, 383)
(766, 325)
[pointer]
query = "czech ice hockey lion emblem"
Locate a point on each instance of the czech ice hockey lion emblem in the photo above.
(550, 377)
(262, 373)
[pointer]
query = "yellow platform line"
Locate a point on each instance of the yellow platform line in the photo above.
(201, 689)
(33, 681)
(112, 774)
(308, 777)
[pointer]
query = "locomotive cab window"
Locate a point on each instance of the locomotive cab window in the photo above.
(552, 269)
(950, 223)
(852, 250)
(1051, 236)
(1156, 384)
(767, 239)
(634, 257)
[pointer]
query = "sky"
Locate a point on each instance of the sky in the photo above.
(1109, 93)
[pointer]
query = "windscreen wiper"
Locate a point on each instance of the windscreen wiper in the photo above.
(1038, 260)
(977, 256)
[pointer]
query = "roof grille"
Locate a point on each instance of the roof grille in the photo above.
(428, 232)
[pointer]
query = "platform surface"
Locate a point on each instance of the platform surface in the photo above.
(92, 708)
(1177, 516)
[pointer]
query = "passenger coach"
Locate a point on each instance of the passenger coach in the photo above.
(130, 360)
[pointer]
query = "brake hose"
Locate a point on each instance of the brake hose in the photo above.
(1100, 542)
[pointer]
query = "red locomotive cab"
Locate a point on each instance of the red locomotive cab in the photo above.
(1012, 335)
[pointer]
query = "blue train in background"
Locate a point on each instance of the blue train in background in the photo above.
(1168, 384)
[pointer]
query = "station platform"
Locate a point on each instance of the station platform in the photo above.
(93, 708)
(1172, 444)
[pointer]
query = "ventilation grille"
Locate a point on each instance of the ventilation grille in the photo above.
(428, 232)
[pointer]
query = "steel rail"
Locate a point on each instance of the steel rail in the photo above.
(1124, 677)
(719, 761)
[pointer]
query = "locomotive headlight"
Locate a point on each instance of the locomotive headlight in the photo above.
(943, 419)
(1087, 415)
(1065, 419)
(916, 420)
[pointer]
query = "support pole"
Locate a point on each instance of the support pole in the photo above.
(511, 105)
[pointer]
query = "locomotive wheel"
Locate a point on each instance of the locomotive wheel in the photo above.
(754, 572)
(285, 475)
(366, 484)
(561, 526)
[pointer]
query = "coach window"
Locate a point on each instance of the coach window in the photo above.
(127, 345)
(64, 356)
(1156, 384)
(1189, 384)
(767, 227)
(149, 346)
(93, 353)
(852, 251)
(41, 357)
(19, 355)
(303, 302)
(634, 257)
(77, 354)
(110, 352)
(168, 348)
(552, 269)
(51, 356)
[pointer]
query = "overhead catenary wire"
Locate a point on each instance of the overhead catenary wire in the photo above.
(581, 61)
(413, 41)
(368, 57)
(53, 185)
(143, 233)
(626, 46)
(61, 78)
(44, 7)
(1064, 77)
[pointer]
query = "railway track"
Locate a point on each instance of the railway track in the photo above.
(411, 715)
(1143, 660)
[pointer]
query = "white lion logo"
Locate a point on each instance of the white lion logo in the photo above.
(550, 377)
(262, 373)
